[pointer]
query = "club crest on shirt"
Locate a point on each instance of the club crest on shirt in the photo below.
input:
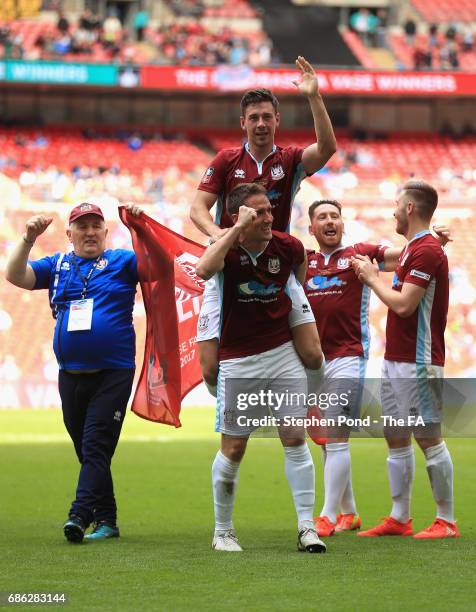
(208, 174)
(203, 322)
(313, 264)
(102, 263)
(239, 173)
(277, 172)
(343, 263)
(65, 265)
(273, 265)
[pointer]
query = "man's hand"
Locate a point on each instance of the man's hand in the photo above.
(443, 233)
(308, 85)
(364, 269)
(218, 233)
(246, 217)
(35, 226)
(135, 210)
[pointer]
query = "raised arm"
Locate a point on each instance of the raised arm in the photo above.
(18, 271)
(213, 260)
(201, 217)
(316, 155)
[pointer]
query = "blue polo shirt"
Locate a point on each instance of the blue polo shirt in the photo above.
(110, 343)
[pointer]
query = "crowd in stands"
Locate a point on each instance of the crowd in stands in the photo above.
(441, 47)
(192, 44)
(180, 41)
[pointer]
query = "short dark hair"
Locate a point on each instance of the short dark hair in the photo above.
(239, 194)
(423, 195)
(255, 96)
(317, 203)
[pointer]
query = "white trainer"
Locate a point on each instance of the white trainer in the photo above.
(227, 541)
(308, 541)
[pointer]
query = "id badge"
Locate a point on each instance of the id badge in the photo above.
(80, 315)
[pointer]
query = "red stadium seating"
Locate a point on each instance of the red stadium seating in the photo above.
(445, 11)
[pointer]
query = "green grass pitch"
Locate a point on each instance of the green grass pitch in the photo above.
(163, 560)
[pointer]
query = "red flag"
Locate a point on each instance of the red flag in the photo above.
(172, 295)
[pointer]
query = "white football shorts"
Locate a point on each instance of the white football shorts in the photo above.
(344, 376)
(269, 384)
(411, 389)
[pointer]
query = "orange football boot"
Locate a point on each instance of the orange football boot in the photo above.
(323, 526)
(389, 527)
(347, 522)
(438, 529)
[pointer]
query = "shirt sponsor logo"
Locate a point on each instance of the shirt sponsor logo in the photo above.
(322, 282)
(277, 172)
(343, 263)
(255, 288)
(273, 265)
(239, 173)
(102, 263)
(419, 274)
(208, 174)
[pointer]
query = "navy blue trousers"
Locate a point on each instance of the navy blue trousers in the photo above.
(94, 407)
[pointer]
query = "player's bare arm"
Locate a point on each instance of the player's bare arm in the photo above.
(316, 155)
(402, 303)
(18, 270)
(201, 217)
(213, 260)
(391, 255)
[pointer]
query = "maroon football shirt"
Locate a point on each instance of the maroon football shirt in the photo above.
(280, 173)
(420, 337)
(339, 301)
(253, 298)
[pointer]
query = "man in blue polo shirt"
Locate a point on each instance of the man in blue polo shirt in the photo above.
(91, 292)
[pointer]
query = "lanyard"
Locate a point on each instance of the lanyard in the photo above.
(86, 278)
(54, 306)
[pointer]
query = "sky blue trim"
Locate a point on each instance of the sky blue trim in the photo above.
(220, 279)
(327, 256)
(219, 209)
(299, 175)
(381, 265)
(364, 320)
(254, 256)
(259, 165)
(420, 340)
(419, 235)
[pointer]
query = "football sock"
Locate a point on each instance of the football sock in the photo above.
(347, 504)
(401, 468)
(212, 389)
(336, 477)
(440, 470)
(224, 481)
(299, 469)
